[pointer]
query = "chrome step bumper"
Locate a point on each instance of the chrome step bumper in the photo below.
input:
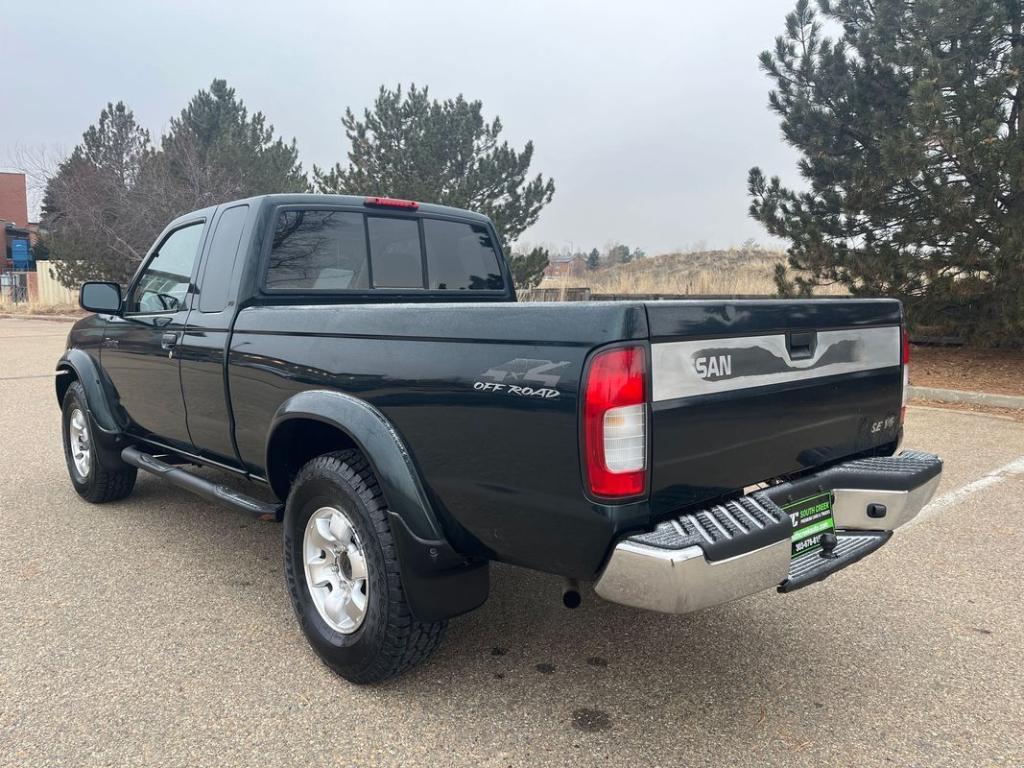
(731, 550)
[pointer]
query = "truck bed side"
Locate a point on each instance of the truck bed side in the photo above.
(483, 395)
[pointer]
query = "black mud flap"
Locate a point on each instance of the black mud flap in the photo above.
(439, 583)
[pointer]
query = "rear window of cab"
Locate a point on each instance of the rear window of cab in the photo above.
(317, 250)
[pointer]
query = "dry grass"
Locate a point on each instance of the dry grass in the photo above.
(709, 272)
(36, 308)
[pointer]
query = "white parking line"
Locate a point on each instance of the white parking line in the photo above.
(947, 500)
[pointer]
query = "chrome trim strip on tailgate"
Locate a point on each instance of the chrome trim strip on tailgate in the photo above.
(691, 368)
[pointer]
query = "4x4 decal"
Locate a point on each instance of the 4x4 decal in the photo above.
(516, 376)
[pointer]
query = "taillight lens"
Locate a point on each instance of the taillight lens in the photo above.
(615, 423)
(905, 361)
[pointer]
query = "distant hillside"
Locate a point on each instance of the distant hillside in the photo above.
(734, 271)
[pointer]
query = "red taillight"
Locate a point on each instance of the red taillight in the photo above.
(615, 423)
(391, 202)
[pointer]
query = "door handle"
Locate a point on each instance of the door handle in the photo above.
(168, 340)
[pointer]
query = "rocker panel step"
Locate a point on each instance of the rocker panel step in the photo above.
(200, 485)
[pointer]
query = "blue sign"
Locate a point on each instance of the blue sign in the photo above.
(19, 253)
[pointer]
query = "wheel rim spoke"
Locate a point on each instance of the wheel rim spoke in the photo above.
(359, 597)
(357, 563)
(334, 606)
(340, 529)
(316, 542)
(323, 530)
(320, 573)
(352, 609)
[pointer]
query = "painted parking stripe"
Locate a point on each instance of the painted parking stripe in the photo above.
(951, 499)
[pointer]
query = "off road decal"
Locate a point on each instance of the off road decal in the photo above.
(516, 390)
(523, 377)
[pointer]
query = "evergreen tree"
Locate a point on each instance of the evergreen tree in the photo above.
(216, 151)
(528, 269)
(114, 194)
(93, 222)
(620, 254)
(911, 131)
(410, 146)
(593, 259)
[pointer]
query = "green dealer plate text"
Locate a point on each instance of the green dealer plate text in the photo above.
(811, 517)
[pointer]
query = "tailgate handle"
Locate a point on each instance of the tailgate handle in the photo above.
(800, 345)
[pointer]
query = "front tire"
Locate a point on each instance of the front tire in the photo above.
(343, 576)
(96, 479)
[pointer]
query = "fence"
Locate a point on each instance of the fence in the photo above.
(587, 294)
(49, 291)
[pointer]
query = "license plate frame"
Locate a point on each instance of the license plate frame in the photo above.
(811, 517)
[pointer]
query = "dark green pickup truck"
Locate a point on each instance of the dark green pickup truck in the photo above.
(366, 361)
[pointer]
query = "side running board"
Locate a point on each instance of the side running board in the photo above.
(201, 486)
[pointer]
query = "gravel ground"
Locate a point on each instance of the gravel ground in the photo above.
(156, 631)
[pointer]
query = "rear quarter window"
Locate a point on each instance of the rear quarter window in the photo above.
(220, 262)
(318, 250)
(461, 256)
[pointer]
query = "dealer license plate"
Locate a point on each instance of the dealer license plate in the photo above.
(811, 518)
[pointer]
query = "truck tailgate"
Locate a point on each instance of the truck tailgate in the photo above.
(747, 391)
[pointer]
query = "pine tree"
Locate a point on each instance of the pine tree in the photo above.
(216, 151)
(410, 146)
(911, 129)
(114, 194)
(93, 224)
(593, 259)
(620, 254)
(528, 269)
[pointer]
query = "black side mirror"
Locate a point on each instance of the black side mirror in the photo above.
(101, 298)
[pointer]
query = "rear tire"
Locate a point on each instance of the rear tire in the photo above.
(96, 478)
(342, 572)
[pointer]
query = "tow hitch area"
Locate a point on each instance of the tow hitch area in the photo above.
(841, 550)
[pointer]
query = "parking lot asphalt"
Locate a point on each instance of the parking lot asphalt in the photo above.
(157, 631)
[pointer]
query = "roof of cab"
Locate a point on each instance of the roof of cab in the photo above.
(357, 201)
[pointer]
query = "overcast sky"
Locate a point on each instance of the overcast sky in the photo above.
(647, 115)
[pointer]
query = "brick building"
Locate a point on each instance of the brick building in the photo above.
(561, 265)
(19, 234)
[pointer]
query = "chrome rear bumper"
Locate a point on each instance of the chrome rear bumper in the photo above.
(700, 560)
(680, 581)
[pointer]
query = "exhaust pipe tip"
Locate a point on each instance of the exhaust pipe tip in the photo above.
(571, 597)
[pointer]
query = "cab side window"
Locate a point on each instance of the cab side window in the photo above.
(163, 284)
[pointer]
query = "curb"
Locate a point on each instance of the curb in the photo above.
(974, 398)
(51, 318)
